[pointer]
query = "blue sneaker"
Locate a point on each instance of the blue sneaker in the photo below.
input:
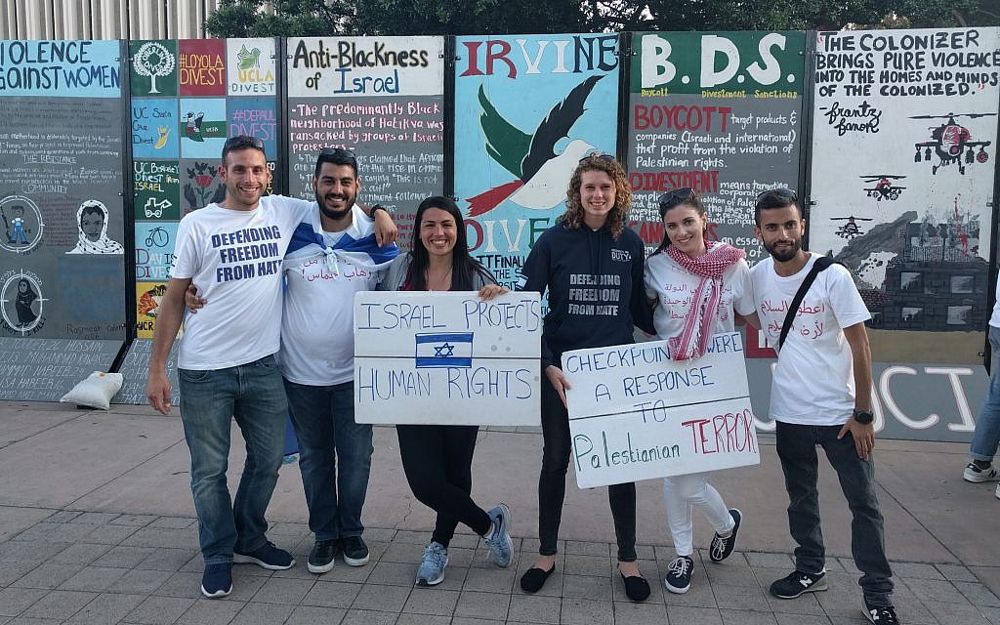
(498, 539)
(431, 571)
(217, 580)
(268, 557)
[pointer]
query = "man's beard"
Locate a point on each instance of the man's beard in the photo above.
(335, 214)
(786, 255)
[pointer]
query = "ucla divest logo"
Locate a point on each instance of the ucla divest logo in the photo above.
(250, 67)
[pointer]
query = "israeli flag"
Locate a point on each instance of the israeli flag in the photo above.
(452, 349)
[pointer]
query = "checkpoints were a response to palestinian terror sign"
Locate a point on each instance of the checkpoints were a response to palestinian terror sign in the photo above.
(635, 414)
(447, 358)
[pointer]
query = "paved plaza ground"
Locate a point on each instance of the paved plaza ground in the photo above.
(97, 526)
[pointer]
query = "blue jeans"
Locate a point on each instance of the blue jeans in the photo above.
(987, 434)
(796, 446)
(253, 395)
(329, 440)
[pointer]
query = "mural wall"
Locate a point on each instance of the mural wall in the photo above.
(904, 149)
(527, 109)
(62, 257)
(897, 141)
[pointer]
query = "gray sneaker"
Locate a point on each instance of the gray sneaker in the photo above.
(499, 542)
(431, 571)
(974, 473)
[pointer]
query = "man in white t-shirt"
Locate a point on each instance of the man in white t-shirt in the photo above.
(232, 253)
(333, 255)
(820, 396)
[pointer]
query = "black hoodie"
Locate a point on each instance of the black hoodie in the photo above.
(595, 288)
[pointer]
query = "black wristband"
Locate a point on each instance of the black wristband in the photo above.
(377, 207)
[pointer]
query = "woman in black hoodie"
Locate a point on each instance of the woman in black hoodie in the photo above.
(591, 264)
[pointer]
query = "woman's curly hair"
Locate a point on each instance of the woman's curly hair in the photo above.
(573, 217)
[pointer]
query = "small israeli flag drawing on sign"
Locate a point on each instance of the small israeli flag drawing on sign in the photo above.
(452, 349)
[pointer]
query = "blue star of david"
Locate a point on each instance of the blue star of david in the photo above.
(439, 352)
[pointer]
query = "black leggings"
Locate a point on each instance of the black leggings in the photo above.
(437, 460)
(552, 483)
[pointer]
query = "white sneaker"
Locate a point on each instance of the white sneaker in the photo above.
(998, 491)
(974, 474)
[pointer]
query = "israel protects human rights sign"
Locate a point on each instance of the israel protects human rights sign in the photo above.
(635, 414)
(447, 358)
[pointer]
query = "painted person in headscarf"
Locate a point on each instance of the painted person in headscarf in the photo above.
(26, 296)
(92, 218)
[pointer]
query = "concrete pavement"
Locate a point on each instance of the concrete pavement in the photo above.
(97, 526)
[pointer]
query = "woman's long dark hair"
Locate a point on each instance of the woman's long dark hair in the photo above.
(464, 268)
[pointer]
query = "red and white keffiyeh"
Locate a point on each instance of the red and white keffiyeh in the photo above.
(705, 301)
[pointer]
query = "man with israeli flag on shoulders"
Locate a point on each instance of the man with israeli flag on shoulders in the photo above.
(329, 260)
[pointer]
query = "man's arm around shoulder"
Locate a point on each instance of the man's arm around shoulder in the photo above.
(168, 322)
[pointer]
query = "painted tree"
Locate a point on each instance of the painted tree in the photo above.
(287, 18)
(153, 61)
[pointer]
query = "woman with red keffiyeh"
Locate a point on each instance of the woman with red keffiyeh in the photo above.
(698, 287)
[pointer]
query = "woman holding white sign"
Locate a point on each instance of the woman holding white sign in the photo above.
(437, 459)
(696, 286)
(591, 265)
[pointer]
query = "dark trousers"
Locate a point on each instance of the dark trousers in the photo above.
(437, 460)
(552, 483)
(796, 445)
(335, 457)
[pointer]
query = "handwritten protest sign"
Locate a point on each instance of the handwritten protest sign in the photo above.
(447, 358)
(635, 414)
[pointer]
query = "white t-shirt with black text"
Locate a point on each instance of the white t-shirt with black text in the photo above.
(234, 258)
(813, 382)
(317, 323)
(673, 286)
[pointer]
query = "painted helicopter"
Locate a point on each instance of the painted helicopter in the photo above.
(883, 186)
(850, 229)
(950, 140)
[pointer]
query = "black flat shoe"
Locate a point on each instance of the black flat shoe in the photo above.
(534, 578)
(636, 587)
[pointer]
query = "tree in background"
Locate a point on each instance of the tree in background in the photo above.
(304, 18)
(785, 14)
(290, 18)
(467, 17)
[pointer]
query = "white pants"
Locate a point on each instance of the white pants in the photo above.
(680, 494)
